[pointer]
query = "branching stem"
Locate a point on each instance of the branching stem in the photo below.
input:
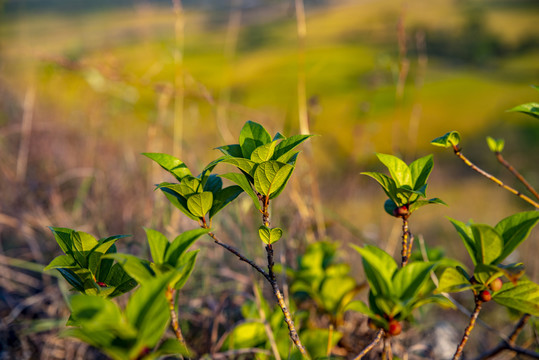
(513, 171)
(469, 328)
(509, 343)
(406, 248)
(373, 343)
(457, 151)
(174, 317)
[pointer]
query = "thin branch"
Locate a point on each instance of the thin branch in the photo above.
(174, 317)
(457, 151)
(513, 171)
(405, 238)
(373, 343)
(509, 344)
(267, 327)
(280, 300)
(469, 328)
(239, 255)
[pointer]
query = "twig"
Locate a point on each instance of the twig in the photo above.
(469, 328)
(267, 327)
(174, 317)
(239, 255)
(457, 151)
(513, 171)
(387, 352)
(509, 344)
(405, 237)
(369, 347)
(276, 291)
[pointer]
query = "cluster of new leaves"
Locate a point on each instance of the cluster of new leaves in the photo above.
(395, 292)
(86, 266)
(194, 196)
(133, 333)
(89, 267)
(168, 258)
(488, 247)
(254, 332)
(407, 185)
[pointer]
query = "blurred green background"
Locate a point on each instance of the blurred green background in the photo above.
(85, 88)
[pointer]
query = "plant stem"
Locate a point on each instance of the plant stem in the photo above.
(239, 255)
(457, 151)
(387, 352)
(406, 249)
(469, 328)
(174, 317)
(513, 171)
(369, 347)
(280, 300)
(509, 343)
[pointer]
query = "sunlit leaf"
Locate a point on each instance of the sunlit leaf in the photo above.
(495, 145)
(269, 176)
(242, 181)
(199, 204)
(158, 245)
(531, 109)
(252, 135)
(171, 164)
(453, 280)
(224, 197)
(448, 140)
(269, 236)
(514, 230)
(523, 297)
(400, 172)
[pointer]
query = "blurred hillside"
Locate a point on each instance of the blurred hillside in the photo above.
(84, 89)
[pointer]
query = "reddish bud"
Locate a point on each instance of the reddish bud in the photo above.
(496, 284)
(394, 328)
(102, 284)
(401, 211)
(485, 296)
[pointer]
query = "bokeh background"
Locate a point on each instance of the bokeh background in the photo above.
(86, 87)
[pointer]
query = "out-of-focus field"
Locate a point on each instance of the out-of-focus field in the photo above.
(83, 93)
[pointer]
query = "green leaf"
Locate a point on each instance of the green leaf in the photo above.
(213, 183)
(466, 235)
(420, 170)
(102, 247)
(488, 243)
(334, 291)
(379, 268)
(269, 236)
(200, 204)
(72, 278)
(495, 145)
(316, 341)
(189, 186)
(171, 347)
(62, 261)
(64, 239)
(171, 164)
(388, 184)
(514, 230)
(523, 297)
(264, 152)
(231, 150)
(120, 280)
(531, 109)
(400, 172)
(269, 176)
(184, 269)
(252, 135)
(242, 181)
(180, 202)
(147, 311)
(243, 164)
(83, 243)
(181, 244)
(246, 335)
(453, 280)
(137, 268)
(448, 140)
(224, 197)
(158, 245)
(420, 203)
(408, 280)
(286, 146)
(484, 273)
